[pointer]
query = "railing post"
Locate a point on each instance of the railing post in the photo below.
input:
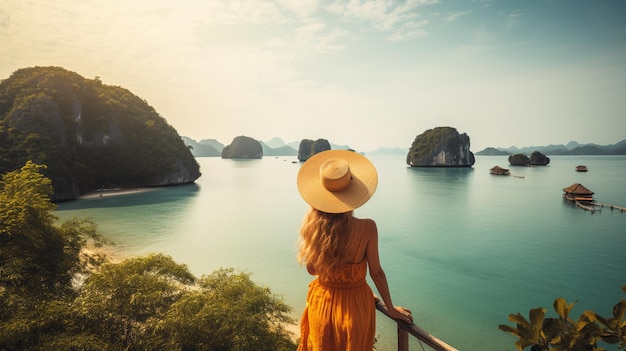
(404, 329)
(403, 339)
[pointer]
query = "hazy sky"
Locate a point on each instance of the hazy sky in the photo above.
(362, 73)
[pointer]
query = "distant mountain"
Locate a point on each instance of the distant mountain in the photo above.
(618, 149)
(389, 151)
(572, 148)
(276, 146)
(213, 148)
(295, 145)
(275, 143)
(214, 143)
(492, 151)
(280, 150)
(202, 149)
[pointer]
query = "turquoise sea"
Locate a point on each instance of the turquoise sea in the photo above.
(461, 248)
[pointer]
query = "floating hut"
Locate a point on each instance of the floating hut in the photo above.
(497, 170)
(578, 193)
(581, 168)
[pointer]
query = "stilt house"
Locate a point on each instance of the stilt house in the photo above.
(577, 192)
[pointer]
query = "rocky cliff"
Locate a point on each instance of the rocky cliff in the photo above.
(243, 147)
(90, 135)
(441, 147)
(519, 160)
(535, 159)
(310, 147)
(539, 159)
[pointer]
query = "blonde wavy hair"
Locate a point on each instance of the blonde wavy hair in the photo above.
(324, 238)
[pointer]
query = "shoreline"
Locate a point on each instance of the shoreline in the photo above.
(111, 192)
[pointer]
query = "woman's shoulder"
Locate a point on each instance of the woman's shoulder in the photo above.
(366, 221)
(368, 225)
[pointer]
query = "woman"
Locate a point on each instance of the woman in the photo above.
(339, 248)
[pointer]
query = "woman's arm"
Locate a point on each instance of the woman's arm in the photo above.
(378, 274)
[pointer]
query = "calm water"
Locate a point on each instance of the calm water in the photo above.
(461, 248)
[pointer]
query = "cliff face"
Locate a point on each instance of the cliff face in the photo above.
(89, 135)
(539, 159)
(441, 147)
(310, 147)
(519, 160)
(243, 147)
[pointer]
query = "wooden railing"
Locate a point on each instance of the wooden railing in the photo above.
(404, 329)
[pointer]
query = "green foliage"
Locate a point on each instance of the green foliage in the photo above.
(152, 303)
(24, 200)
(424, 144)
(143, 303)
(564, 333)
(38, 259)
(227, 312)
(118, 300)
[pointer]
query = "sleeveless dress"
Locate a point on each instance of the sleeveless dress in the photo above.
(340, 314)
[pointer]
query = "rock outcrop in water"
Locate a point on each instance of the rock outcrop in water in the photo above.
(539, 159)
(519, 160)
(535, 159)
(441, 147)
(88, 134)
(243, 147)
(310, 147)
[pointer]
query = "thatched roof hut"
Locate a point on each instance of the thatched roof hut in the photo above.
(499, 171)
(577, 192)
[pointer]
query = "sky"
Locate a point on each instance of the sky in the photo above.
(367, 74)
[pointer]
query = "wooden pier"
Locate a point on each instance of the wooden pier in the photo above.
(596, 206)
(612, 207)
(591, 208)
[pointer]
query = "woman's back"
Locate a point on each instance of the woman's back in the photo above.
(339, 249)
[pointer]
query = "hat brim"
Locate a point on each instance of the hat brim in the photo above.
(361, 188)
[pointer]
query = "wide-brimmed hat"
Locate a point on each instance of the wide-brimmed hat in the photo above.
(337, 181)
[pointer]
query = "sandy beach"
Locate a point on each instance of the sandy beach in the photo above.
(112, 192)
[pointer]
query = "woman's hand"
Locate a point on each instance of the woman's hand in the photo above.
(401, 313)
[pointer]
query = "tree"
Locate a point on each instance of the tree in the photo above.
(35, 256)
(117, 301)
(38, 259)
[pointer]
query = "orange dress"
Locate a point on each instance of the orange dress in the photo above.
(340, 314)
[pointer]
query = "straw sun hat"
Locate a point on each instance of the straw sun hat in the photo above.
(337, 181)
